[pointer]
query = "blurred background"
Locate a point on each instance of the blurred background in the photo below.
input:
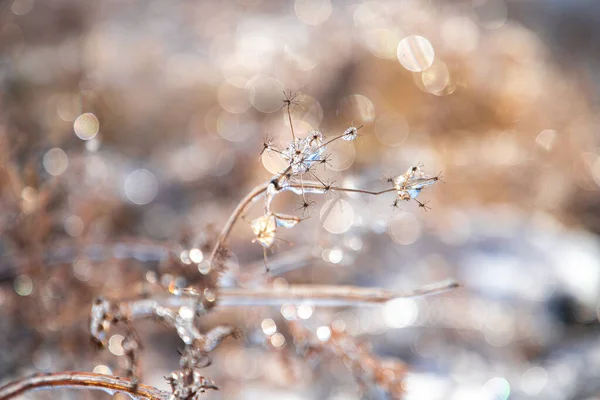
(130, 130)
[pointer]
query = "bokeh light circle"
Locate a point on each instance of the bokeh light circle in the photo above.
(405, 228)
(337, 216)
(415, 53)
(86, 126)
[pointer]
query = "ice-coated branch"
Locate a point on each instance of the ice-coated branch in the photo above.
(81, 380)
(311, 187)
(323, 295)
(261, 189)
(164, 303)
(242, 206)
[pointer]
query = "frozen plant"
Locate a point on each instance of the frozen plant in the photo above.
(180, 300)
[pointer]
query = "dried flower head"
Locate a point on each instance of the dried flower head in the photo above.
(351, 133)
(302, 154)
(409, 185)
(264, 227)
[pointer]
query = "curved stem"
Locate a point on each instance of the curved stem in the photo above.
(77, 380)
(235, 215)
(260, 190)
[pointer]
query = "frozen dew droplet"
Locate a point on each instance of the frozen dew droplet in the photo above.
(415, 53)
(286, 221)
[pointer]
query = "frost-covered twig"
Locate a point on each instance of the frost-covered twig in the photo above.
(242, 206)
(323, 295)
(172, 309)
(81, 380)
(261, 190)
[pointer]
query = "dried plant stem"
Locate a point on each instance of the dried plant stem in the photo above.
(289, 114)
(333, 139)
(318, 295)
(235, 215)
(323, 295)
(260, 190)
(78, 380)
(309, 185)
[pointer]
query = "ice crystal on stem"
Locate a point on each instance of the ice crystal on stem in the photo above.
(351, 133)
(264, 229)
(409, 185)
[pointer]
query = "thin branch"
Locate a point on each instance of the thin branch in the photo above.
(258, 191)
(235, 215)
(78, 380)
(323, 295)
(331, 295)
(333, 139)
(341, 189)
(290, 119)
